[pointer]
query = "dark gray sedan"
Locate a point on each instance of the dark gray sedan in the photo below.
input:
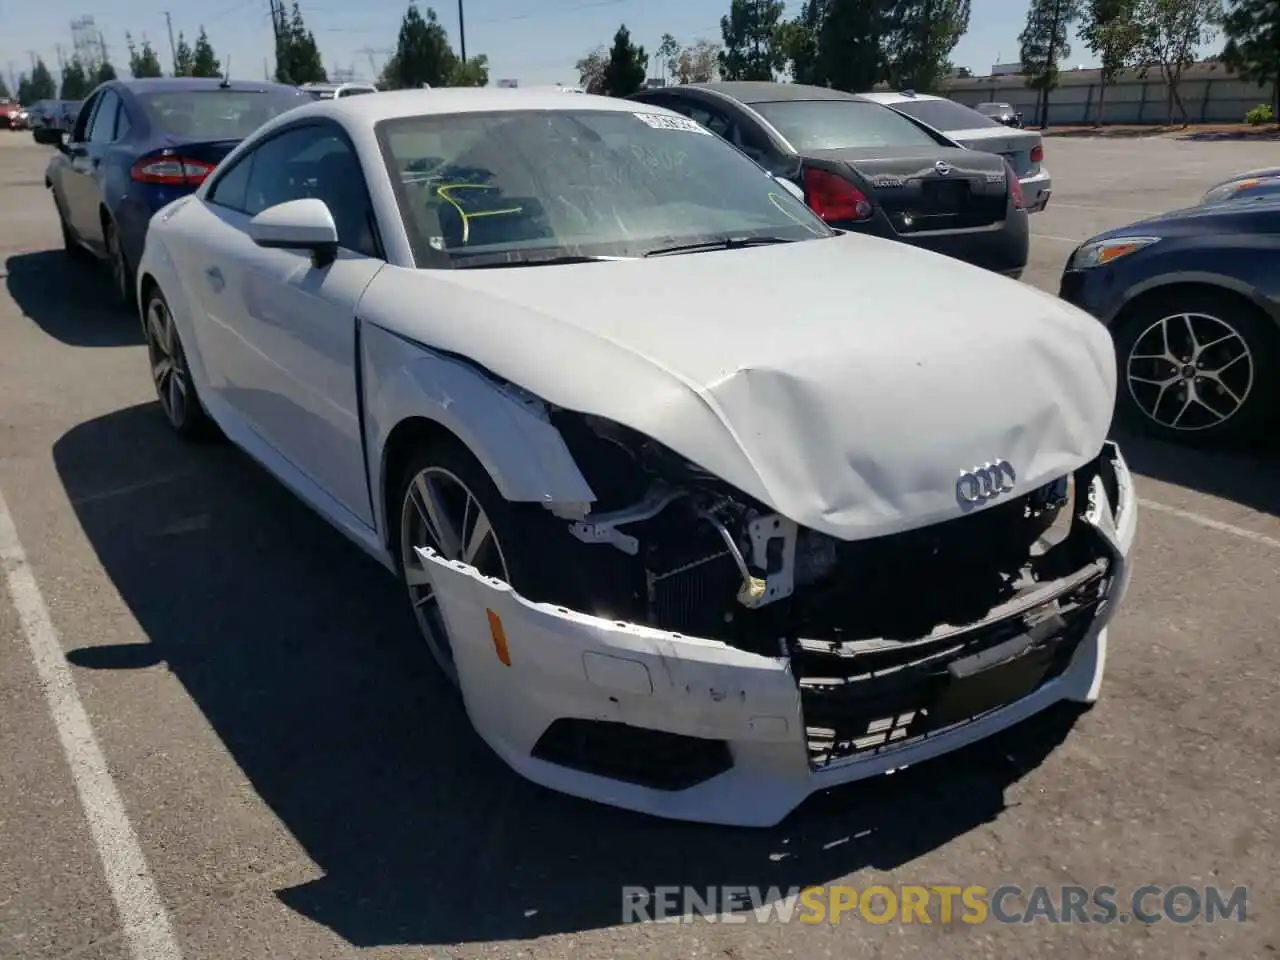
(866, 168)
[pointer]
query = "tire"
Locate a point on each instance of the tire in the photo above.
(1221, 380)
(515, 551)
(121, 274)
(170, 373)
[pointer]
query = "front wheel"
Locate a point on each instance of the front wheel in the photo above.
(1198, 367)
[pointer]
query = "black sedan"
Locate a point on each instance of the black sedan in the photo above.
(1192, 298)
(866, 168)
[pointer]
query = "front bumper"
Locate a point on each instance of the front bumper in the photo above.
(726, 730)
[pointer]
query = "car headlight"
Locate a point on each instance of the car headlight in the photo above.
(1105, 251)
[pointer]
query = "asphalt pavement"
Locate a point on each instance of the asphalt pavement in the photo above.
(219, 738)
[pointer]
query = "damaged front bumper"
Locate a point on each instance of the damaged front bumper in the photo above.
(695, 729)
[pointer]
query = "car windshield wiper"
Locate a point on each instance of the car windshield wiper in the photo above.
(508, 261)
(723, 243)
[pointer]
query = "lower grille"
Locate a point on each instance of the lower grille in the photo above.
(861, 700)
(647, 758)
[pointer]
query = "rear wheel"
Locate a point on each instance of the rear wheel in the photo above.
(1198, 367)
(121, 274)
(170, 372)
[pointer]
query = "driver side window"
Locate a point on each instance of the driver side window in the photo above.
(80, 131)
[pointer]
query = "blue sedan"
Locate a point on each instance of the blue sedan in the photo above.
(136, 145)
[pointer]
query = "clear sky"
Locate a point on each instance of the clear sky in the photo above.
(534, 41)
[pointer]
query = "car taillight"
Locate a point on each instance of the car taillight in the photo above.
(1015, 186)
(181, 171)
(1037, 153)
(834, 198)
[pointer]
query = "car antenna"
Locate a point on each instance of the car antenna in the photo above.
(226, 75)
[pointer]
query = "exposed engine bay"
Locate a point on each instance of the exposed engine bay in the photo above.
(680, 550)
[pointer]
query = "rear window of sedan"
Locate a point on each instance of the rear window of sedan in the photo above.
(217, 114)
(841, 124)
(944, 114)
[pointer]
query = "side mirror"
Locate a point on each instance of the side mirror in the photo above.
(49, 136)
(303, 224)
(791, 187)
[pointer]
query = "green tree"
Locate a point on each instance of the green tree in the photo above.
(1113, 34)
(423, 54)
(852, 40)
(297, 55)
(1043, 45)
(591, 69)
(75, 82)
(473, 73)
(143, 61)
(624, 74)
(798, 39)
(668, 55)
(184, 59)
(4, 90)
(1252, 29)
(1172, 31)
(751, 33)
(203, 61)
(921, 36)
(104, 73)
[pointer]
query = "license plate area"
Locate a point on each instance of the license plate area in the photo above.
(945, 196)
(992, 678)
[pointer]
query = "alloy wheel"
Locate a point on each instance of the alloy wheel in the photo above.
(168, 364)
(1190, 371)
(441, 512)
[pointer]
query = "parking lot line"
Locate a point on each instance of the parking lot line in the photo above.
(142, 914)
(1050, 236)
(1210, 523)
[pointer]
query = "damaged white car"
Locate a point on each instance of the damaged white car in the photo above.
(701, 505)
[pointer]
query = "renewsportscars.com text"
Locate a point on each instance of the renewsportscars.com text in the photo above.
(936, 903)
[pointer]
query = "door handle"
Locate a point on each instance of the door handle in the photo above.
(216, 279)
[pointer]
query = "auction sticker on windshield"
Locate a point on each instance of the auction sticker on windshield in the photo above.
(659, 122)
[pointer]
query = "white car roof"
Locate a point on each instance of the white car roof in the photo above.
(366, 111)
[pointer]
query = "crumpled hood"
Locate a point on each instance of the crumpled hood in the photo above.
(846, 382)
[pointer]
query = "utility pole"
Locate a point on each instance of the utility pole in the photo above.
(462, 33)
(173, 48)
(62, 64)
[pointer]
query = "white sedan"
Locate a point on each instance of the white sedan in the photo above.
(1024, 149)
(701, 505)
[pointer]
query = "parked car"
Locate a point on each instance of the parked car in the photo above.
(655, 451)
(1001, 113)
(138, 144)
(866, 168)
(336, 91)
(12, 116)
(1024, 149)
(1193, 300)
(1253, 183)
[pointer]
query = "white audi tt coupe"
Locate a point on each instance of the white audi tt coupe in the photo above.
(701, 505)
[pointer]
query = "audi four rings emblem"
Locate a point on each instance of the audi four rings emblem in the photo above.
(986, 482)
(942, 167)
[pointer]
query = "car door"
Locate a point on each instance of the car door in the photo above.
(285, 329)
(79, 188)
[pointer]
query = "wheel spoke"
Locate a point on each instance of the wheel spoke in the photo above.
(161, 369)
(1219, 371)
(479, 537)
(436, 518)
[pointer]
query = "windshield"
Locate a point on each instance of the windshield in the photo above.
(944, 114)
(837, 124)
(217, 114)
(478, 188)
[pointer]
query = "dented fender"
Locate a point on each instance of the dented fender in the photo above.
(520, 449)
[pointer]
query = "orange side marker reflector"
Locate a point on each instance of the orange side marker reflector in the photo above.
(499, 638)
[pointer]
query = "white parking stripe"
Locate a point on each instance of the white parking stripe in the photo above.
(142, 914)
(1050, 236)
(1109, 209)
(1211, 523)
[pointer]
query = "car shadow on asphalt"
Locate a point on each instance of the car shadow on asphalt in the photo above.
(301, 654)
(1248, 477)
(71, 301)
